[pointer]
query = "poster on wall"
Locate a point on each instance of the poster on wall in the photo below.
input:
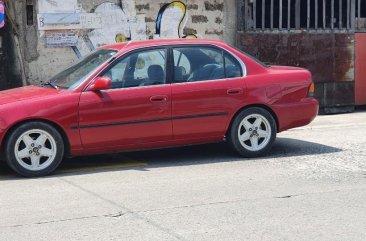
(115, 25)
(108, 23)
(2, 14)
(61, 39)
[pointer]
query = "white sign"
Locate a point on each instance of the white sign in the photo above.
(87, 21)
(60, 18)
(91, 20)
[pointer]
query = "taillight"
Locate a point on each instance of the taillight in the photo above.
(311, 90)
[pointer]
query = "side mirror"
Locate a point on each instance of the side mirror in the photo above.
(101, 83)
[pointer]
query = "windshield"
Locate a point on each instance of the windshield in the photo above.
(73, 76)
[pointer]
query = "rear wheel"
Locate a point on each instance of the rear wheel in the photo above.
(34, 149)
(252, 132)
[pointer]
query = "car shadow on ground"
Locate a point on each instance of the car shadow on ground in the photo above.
(180, 156)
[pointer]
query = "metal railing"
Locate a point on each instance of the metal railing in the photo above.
(289, 15)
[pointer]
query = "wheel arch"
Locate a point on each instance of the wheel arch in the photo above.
(65, 138)
(263, 106)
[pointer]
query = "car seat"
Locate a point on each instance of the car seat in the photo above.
(232, 71)
(156, 75)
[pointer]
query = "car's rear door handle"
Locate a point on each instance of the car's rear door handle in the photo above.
(234, 91)
(158, 98)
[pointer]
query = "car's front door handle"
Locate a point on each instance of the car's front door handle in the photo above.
(158, 98)
(234, 91)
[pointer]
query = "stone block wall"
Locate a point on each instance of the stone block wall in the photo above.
(328, 56)
(38, 62)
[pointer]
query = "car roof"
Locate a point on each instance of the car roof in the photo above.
(160, 42)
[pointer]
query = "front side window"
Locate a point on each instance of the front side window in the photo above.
(182, 66)
(141, 68)
(194, 63)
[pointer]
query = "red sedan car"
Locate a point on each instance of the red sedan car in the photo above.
(153, 94)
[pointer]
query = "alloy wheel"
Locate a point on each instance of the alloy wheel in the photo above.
(254, 132)
(35, 150)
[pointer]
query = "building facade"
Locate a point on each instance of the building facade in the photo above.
(43, 37)
(328, 37)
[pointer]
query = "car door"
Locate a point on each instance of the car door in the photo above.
(208, 87)
(136, 111)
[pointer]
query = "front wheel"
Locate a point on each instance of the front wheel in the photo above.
(253, 132)
(34, 149)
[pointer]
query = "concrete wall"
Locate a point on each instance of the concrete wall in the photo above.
(37, 62)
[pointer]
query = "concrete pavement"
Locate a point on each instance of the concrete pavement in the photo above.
(311, 186)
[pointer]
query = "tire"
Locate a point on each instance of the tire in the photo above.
(34, 149)
(257, 130)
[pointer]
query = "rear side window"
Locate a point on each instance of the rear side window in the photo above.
(201, 63)
(232, 67)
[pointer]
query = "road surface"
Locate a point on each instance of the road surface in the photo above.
(312, 186)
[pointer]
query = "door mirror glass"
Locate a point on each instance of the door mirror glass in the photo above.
(101, 83)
